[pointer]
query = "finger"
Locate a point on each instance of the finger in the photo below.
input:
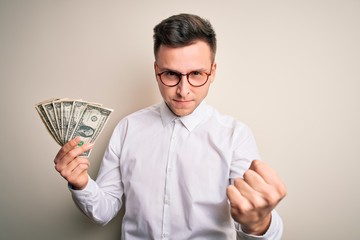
(269, 195)
(80, 169)
(70, 169)
(248, 192)
(66, 148)
(71, 155)
(269, 176)
(265, 171)
(78, 178)
(255, 181)
(236, 199)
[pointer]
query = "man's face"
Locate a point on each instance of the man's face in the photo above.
(183, 98)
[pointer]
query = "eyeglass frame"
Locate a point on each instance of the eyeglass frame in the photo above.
(180, 76)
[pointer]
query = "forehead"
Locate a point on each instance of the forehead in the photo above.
(196, 55)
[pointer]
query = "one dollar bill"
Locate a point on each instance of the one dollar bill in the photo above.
(67, 118)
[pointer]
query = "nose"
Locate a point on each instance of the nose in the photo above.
(183, 88)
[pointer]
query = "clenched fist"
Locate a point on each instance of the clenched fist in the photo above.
(254, 197)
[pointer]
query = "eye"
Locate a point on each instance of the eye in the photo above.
(196, 73)
(170, 74)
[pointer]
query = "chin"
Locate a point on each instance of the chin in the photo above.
(182, 113)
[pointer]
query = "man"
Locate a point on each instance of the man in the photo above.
(173, 161)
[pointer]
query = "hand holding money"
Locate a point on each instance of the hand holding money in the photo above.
(74, 125)
(66, 119)
(72, 167)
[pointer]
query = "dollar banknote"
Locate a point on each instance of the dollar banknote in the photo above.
(76, 113)
(90, 124)
(66, 119)
(39, 107)
(65, 115)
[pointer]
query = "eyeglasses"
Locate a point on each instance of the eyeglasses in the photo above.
(172, 78)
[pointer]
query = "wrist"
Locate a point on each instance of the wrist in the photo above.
(258, 228)
(80, 185)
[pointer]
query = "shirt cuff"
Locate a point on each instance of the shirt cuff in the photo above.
(274, 231)
(87, 191)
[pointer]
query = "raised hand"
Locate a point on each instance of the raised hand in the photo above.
(254, 197)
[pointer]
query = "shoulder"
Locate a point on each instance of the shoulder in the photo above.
(226, 121)
(140, 117)
(144, 114)
(136, 120)
(228, 127)
(151, 111)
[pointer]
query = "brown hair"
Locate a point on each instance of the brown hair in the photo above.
(183, 30)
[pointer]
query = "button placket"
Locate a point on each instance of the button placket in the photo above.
(169, 170)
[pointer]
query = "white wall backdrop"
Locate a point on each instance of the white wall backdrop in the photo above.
(289, 69)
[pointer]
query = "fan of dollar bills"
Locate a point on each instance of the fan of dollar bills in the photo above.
(67, 118)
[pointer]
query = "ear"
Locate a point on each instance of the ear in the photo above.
(213, 72)
(155, 70)
(155, 66)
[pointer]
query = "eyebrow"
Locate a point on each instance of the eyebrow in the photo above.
(172, 70)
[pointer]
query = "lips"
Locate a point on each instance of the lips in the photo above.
(181, 101)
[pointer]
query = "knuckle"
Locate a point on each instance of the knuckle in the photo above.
(82, 167)
(248, 174)
(72, 154)
(62, 150)
(73, 142)
(238, 182)
(272, 196)
(235, 204)
(272, 199)
(63, 173)
(75, 160)
(246, 208)
(57, 168)
(282, 191)
(258, 203)
(256, 164)
(85, 147)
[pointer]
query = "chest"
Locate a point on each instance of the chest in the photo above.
(196, 160)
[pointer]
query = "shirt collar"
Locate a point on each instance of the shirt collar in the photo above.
(190, 121)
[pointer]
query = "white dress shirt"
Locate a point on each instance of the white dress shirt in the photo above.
(173, 172)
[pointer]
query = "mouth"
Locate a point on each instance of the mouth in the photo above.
(182, 107)
(182, 101)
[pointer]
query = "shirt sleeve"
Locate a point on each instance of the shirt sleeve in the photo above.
(245, 152)
(273, 233)
(100, 200)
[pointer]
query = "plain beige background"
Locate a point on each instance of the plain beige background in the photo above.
(288, 69)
